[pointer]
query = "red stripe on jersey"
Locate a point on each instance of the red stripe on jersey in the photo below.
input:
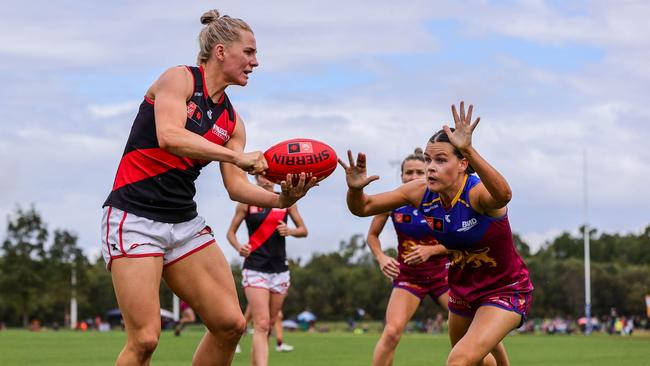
(146, 163)
(149, 100)
(266, 228)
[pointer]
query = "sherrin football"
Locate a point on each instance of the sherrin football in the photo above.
(299, 155)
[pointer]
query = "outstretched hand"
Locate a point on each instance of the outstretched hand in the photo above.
(461, 138)
(355, 174)
(290, 194)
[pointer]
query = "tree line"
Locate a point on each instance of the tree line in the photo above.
(36, 265)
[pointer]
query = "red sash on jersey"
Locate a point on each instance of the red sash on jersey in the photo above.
(266, 229)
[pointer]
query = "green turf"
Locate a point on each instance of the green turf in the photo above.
(74, 348)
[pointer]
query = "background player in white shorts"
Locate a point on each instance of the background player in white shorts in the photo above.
(265, 276)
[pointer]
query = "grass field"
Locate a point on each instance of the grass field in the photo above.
(19, 347)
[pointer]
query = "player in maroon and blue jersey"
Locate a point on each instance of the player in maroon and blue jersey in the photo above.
(490, 287)
(420, 268)
(151, 229)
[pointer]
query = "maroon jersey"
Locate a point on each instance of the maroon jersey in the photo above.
(156, 184)
(484, 261)
(412, 229)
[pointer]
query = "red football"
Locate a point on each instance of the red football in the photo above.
(299, 155)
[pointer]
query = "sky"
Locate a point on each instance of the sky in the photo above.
(552, 81)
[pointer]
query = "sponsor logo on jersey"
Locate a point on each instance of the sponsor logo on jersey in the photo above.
(191, 108)
(447, 218)
(221, 132)
(210, 113)
(300, 160)
(466, 225)
(398, 218)
(429, 208)
(194, 113)
(407, 218)
(435, 223)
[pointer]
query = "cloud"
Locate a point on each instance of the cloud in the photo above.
(370, 76)
(113, 110)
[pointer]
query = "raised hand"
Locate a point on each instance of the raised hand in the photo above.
(461, 138)
(355, 174)
(290, 194)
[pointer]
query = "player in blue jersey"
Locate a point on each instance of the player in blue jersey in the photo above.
(151, 229)
(490, 287)
(420, 268)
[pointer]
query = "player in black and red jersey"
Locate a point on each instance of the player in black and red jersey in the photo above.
(265, 276)
(150, 220)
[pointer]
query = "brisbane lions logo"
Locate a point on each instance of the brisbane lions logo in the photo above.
(408, 246)
(476, 258)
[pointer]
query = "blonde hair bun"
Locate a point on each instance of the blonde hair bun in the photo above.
(209, 16)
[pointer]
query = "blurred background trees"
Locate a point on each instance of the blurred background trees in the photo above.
(36, 265)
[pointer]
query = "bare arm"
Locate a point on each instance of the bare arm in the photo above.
(388, 265)
(361, 204)
(240, 215)
(494, 193)
(300, 231)
(171, 92)
(376, 227)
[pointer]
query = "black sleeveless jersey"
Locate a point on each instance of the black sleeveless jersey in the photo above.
(271, 256)
(156, 184)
